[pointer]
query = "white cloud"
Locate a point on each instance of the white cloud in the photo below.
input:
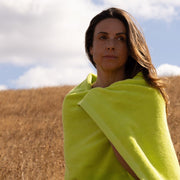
(52, 76)
(168, 70)
(28, 6)
(3, 87)
(148, 9)
(38, 32)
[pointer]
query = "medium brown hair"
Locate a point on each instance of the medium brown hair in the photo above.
(139, 59)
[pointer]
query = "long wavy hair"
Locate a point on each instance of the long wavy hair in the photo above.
(139, 59)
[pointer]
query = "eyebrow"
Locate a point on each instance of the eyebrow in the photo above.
(116, 33)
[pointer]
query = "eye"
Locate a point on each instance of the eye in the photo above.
(103, 37)
(121, 38)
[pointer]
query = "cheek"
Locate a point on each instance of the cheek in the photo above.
(96, 50)
(124, 51)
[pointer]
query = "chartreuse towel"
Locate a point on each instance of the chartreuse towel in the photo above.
(129, 114)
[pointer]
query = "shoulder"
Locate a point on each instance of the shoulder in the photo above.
(85, 85)
(81, 89)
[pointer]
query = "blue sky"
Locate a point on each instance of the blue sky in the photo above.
(42, 41)
(163, 41)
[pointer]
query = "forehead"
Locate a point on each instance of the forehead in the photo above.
(110, 25)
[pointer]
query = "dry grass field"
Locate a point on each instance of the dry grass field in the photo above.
(31, 137)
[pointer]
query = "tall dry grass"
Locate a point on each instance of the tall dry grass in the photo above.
(173, 90)
(31, 137)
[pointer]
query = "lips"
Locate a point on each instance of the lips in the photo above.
(110, 56)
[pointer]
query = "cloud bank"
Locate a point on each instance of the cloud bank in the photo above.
(168, 70)
(41, 76)
(48, 35)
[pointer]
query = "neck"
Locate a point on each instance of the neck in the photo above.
(105, 79)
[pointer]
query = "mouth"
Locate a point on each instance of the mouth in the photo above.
(110, 57)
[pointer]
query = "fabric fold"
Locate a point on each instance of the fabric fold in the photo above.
(131, 115)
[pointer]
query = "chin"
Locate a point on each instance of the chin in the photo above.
(112, 67)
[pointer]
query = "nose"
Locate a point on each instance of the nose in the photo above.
(110, 44)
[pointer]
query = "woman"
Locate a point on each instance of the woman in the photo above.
(115, 124)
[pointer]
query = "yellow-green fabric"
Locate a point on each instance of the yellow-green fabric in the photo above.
(131, 115)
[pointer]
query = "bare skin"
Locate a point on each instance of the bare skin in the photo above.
(124, 164)
(109, 51)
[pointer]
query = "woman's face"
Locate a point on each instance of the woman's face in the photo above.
(109, 50)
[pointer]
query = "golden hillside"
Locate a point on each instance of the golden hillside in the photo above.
(31, 137)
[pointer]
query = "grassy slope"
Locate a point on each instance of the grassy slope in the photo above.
(31, 138)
